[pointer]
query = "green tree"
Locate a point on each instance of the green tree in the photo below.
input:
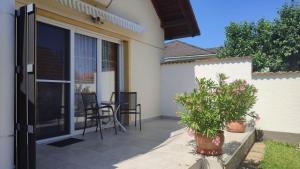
(274, 46)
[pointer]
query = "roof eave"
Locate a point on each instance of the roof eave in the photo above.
(189, 28)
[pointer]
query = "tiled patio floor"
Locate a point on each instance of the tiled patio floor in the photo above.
(94, 153)
(162, 144)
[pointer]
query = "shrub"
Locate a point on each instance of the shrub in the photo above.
(201, 113)
(212, 104)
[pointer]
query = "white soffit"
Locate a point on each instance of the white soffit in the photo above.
(96, 12)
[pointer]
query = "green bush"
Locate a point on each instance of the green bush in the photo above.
(209, 107)
(240, 97)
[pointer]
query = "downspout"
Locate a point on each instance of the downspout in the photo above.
(7, 37)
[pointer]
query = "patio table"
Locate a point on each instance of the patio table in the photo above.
(108, 103)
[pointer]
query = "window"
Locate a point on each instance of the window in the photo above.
(109, 56)
(85, 74)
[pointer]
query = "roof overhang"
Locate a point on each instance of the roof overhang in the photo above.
(177, 18)
(103, 15)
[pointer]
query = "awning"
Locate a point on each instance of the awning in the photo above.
(104, 15)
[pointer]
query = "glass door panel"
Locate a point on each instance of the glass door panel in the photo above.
(53, 108)
(85, 74)
(53, 50)
(53, 81)
(109, 75)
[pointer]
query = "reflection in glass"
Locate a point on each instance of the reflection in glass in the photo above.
(109, 69)
(85, 74)
(53, 61)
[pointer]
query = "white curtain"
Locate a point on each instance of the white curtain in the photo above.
(85, 72)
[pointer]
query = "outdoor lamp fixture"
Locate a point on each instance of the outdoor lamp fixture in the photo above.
(97, 20)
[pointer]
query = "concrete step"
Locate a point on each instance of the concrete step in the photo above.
(178, 152)
(235, 149)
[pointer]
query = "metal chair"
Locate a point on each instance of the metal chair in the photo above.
(94, 111)
(111, 102)
(128, 105)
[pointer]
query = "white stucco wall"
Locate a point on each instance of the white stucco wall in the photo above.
(145, 77)
(234, 68)
(7, 9)
(175, 78)
(278, 97)
(178, 78)
(278, 102)
(145, 51)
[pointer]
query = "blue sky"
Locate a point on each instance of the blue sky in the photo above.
(214, 15)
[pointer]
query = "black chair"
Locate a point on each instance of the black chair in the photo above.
(128, 105)
(94, 111)
(111, 102)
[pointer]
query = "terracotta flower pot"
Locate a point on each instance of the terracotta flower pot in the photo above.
(209, 146)
(238, 126)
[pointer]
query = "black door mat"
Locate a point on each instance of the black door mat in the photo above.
(65, 142)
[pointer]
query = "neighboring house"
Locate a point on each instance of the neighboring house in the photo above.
(69, 46)
(180, 52)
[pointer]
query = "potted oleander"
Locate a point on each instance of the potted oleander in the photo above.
(203, 117)
(241, 97)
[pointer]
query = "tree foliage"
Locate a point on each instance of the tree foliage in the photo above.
(274, 45)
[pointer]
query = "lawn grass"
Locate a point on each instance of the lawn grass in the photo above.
(280, 156)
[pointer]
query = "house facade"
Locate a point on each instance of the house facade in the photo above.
(100, 46)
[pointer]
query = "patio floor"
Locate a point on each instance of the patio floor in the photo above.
(94, 153)
(162, 144)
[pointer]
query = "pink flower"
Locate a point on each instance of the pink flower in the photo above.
(216, 140)
(190, 132)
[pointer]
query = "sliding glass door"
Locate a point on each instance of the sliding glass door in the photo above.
(95, 65)
(53, 81)
(96, 70)
(85, 74)
(109, 69)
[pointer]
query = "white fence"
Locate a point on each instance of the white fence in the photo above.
(278, 93)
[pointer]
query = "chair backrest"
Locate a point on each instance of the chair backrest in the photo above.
(127, 100)
(79, 107)
(112, 98)
(89, 101)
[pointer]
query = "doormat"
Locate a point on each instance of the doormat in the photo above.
(65, 142)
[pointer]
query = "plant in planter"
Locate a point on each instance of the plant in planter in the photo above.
(202, 115)
(239, 98)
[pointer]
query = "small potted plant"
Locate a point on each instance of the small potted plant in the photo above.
(203, 117)
(239, 97)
